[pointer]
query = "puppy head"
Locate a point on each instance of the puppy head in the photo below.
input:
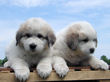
(35, 35)
(82, 37)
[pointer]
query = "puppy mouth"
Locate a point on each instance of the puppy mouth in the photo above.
(32, 50)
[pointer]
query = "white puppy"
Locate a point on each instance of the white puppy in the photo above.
(76, 44)
(31, 47)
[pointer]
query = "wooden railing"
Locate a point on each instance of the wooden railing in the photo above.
(75, 73)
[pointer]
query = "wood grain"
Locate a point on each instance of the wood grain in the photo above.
(7, 75)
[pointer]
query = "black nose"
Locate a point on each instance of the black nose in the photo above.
(92, 50)
(32, 46)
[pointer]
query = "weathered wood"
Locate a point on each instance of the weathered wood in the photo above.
(104, 81)
(86, 74)
(72, 75)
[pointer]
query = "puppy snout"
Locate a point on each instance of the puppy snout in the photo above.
(92, 50)
(33, 46)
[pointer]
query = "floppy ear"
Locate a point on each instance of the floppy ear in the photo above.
(18, 37)
(51, 38)
(72, 40)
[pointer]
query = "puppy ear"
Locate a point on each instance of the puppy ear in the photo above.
(51, 38)
(18, 37)
(72, 41)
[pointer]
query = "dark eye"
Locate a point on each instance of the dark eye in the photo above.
(39, 36)
(85, 40)
(28, 35)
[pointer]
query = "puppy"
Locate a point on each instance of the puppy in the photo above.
(76, 44)
(31, 47)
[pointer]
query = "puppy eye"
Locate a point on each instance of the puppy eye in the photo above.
(85, 40)
(28, 35)
(39, 36)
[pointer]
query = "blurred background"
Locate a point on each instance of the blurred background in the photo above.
(58, 13)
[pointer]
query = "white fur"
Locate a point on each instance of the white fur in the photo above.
(62, 52)
(21, 58)
(60, 66)
(44, 67)
(40, 44)
(98, 64)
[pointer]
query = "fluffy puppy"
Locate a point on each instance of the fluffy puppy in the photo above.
(31, 47)
(76, 44)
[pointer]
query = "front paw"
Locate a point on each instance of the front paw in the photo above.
(61, 69)
(100, 64)
(44, 70)
(22, 74)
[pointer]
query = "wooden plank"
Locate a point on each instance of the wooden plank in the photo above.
(75, 75)
(7, 77)
(85, 69)
(5, 69)
(9, 69)
(72, 75)
(104, 81)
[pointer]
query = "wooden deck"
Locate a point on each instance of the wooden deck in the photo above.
(75, 74)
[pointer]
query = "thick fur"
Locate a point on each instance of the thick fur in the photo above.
(31, 47)
(76, 44)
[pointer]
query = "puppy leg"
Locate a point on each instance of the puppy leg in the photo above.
(98, 64)
(44, 67)
(60, 66)
(7, 64)
(21, 69)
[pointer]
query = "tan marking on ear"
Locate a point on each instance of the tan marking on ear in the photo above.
(72, 40)
(22, 30)
(51, 37)
(72, 36)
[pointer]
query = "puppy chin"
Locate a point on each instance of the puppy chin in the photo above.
(36, 51)
(33, 52)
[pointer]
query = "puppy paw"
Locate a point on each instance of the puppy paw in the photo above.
(61, 70)
(22, 74)
(44, 70)
(100, 64)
